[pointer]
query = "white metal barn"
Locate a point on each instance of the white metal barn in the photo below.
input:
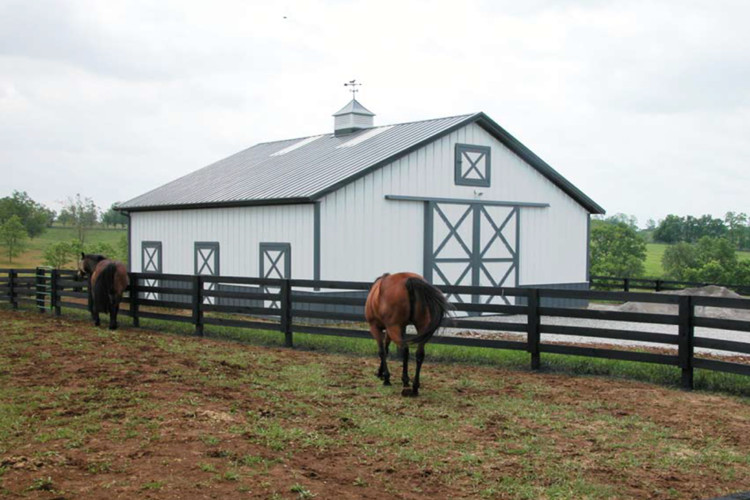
(456, 199)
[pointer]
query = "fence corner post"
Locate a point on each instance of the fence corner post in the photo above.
(197, 304)
(54, 297)
(286, 312)
(533, 328)
(686, 340)
(134, 298)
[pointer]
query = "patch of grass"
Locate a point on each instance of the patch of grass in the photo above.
(301, 491)
(153, 485)
(42, 484)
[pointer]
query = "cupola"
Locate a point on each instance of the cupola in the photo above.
(351, 118)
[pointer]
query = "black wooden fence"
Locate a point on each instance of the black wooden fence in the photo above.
(298, 306)
(655, 284)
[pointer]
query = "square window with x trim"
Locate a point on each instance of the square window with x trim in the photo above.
(472, 166)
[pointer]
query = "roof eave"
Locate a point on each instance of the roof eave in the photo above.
(220, 204)
(540, 165)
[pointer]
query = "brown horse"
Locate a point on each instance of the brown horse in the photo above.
(108, 279)
(394, 301)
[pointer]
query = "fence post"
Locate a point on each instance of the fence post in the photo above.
(197, 304)
(134, 298)
(286, 312)
(658, 285)
(686, 340)
(54, 297)
(626, 284)
(39, 285)
(533, 328)
(12, 288)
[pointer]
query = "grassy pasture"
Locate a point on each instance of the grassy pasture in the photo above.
(32, 257)
(134, 413)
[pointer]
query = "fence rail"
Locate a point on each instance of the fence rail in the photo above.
(297, 306)
(657, 285)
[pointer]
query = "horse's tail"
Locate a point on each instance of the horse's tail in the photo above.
(104, 287)
(433, 300)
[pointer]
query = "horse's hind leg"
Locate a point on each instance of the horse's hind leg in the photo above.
(114, 306)
(420, 359)
(383, 343)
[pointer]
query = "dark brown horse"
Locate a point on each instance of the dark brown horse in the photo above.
(107, 279)
(394, 301)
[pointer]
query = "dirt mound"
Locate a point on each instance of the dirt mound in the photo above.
(703, 311)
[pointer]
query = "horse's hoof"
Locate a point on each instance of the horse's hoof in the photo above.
(386, 382)
(408, 392)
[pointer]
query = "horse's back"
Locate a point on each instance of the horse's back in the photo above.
(388, 300)
(114, 270)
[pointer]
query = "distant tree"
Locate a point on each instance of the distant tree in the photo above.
(83, 214)
(34, 216)
(710, 260)
(738, 231)
(616, 250)
(59, 254)
(101, 248)
(13, 237)
(669, 230)
(113, 217)
(650, 224)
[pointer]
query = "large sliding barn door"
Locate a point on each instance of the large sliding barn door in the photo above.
(471, 245)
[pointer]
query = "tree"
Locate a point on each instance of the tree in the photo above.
(669, 230)
(710, 260)
(34, 216)
(616, 250)
(83, 214)
(738, 231)
(59, 254)
(113, 217)
(13, 237)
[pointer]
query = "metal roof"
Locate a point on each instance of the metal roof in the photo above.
(303, 170)
(355, 107)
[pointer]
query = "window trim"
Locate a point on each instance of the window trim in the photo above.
(461, 180)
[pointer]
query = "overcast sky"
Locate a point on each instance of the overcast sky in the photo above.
(645, 106)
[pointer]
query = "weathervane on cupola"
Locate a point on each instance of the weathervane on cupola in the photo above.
(353, 116)
(353, 84)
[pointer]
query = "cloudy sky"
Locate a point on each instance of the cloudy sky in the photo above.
(644, 105)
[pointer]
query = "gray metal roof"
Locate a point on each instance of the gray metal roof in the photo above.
(355, 107)
(305, 169)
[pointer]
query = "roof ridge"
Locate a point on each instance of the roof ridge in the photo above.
(467, 115)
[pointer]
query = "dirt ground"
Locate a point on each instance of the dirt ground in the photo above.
(132, 414)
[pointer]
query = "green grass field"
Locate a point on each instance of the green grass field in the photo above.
(654, 253)
(32, 257)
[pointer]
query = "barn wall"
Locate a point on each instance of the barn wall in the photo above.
(364, 235)
(239, 232)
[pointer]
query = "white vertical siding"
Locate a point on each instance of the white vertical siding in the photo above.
(364, 235)
(239, 232)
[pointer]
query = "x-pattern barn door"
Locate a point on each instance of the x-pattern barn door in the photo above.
(275, 263)
(207, 264)
(151, 263)
(471, 245)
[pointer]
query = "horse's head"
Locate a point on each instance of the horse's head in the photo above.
(87, 263)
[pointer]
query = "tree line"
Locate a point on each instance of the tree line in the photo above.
(702, 249)
(22, 218)
(735, 228)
